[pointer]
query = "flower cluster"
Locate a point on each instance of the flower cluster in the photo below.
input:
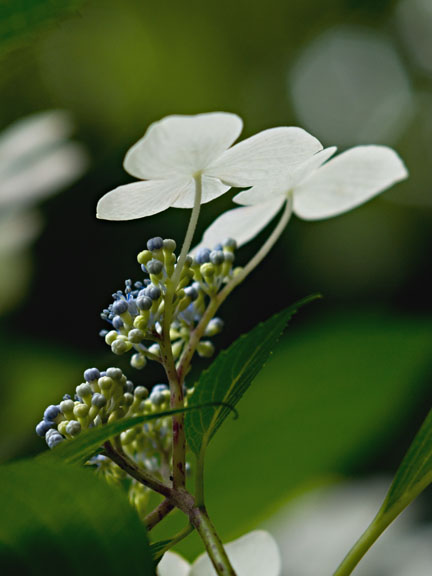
(105, 397)
(136, 314)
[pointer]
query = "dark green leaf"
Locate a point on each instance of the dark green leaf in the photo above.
(158, 548)
(60, 518)
(231, 374)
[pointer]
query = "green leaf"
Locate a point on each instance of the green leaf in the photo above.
(56, 517)
(158, 548)
(231, 374)
(80, 449)
(415, 472)
(412, 477)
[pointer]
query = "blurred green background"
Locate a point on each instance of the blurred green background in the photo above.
(350, 383)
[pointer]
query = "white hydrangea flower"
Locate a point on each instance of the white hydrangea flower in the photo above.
(177, 149)
(319, 190)
(254, 554)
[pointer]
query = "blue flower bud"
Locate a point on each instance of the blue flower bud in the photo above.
(43, 427)
(117, 322)
(144, 303)
(160, 388)
(191, 292)
(153, 292)
(132, 307)
(217, 257)
(51, 412)
(159, 394)
(202, 256)
(154, 266)
(99, 400)
(218, 247)
(119, 307)
(169, 245)
(54, 439)
(91, 374)
(155, 243)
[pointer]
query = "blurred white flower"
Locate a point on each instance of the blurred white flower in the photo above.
(36, 160)
(414, 19)
(318, 189)
(352, 87)
(254, 554)
(177, 149)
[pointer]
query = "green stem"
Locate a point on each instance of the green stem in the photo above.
(155, 516)
(176, 382)
(201, 522)
(367, 539)
(262, 252)
(217, 300)
(176, 539)
(132, 469)
(190, 231)
(199, 480)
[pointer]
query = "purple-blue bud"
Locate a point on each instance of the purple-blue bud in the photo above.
(155, 243)
(119, 306)
(51, 412)
(89, 375)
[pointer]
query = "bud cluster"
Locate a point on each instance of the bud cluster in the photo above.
(105, 397)
(136, 314)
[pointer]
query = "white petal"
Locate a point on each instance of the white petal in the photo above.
(265, 191)
(308, 168)
(264, 156)
(280, 186)
(141, 199)
(211, 188)
(242, 224)
(173, 564)
(182, 145)
(348, 181)
(254, 554)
